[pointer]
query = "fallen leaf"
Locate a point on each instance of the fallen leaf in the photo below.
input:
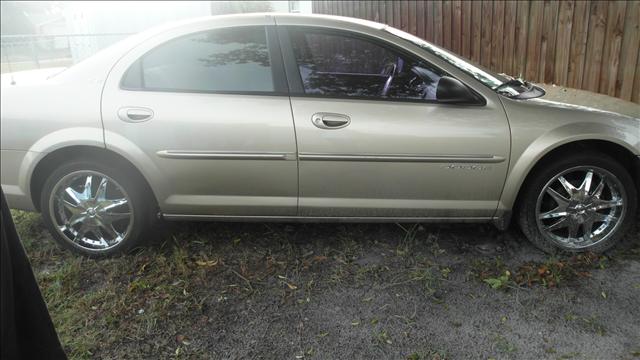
(291, 286)
(207, 263)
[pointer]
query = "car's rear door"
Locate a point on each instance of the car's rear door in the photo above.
(208, 108)
(372, 145)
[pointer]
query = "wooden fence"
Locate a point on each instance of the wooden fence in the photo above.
(591, 45)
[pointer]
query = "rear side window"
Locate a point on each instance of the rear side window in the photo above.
(221, 60)
(341, 64)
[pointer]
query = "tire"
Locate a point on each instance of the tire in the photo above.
(613, 212)
(97, 211)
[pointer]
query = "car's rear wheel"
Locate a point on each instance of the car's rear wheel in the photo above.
(95, 209)
(583, 202)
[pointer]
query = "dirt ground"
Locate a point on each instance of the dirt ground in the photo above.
(340, 291)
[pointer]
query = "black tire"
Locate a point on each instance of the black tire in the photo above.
(544, 174)
(142, 203)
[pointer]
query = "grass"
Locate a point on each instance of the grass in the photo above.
(176, 299)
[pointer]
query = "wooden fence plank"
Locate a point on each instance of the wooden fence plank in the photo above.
(612, 46)
(419, 16)
(628, 57)
(534, 40)
(522, 34)
(396, 15)
(548, 45)
(465, 37)
(437, 23)
(487, 14)
(456, 26)
(428, 24)
(597, 26)
(498, 36)
(510, 10)
(389, 11)
(635, 96)
(579, 35)
(404, 13)
(476, 30)
(563, 41)
(446, 24)
(412, 17)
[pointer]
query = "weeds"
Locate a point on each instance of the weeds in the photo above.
(550, 273)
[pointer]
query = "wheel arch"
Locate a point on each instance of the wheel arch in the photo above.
(623, 154)
(54, 159)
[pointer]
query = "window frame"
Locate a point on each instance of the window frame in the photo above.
(280, 83)
(296, 87)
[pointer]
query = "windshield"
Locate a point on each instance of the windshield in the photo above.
(487, 77)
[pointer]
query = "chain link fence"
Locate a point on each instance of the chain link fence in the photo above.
(27, 52)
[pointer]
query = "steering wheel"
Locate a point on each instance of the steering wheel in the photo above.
(390, 71)
(417, 82)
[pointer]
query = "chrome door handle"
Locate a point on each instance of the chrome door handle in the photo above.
(330, 120)
(135, 114)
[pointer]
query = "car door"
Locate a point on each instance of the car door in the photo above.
(374, 142)
(208, 108)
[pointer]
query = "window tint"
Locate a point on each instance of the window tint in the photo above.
(339, 64)
(233, 59)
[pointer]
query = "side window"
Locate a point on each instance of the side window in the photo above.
(230, 59)
(338, 64)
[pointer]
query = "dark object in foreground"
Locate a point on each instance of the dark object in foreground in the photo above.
(26, 328)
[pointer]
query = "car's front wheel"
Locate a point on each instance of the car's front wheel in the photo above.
(95, 209)
(583, 202)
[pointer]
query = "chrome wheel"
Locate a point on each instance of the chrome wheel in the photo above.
(91, 210)
(581, 207)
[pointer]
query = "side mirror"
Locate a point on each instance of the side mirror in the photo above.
(452, 91)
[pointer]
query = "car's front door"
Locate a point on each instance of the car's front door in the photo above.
(374, 142)
(209, 110)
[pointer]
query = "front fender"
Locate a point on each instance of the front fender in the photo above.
(526, 156)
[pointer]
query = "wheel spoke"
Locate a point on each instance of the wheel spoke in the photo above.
(73, 208)
(87, 187)
(103, 241)
(109, 229)
(102, 189)
(562, 223)
(74, 195)
(607, 204)
(81, 232)
(107, 205)
(75, 219)
(603, 217)
(555, 213)
(598, 190)
(560, 200)
(568, 187)
(109, 217)
(587, 227)
(573, 229)
(586, 183)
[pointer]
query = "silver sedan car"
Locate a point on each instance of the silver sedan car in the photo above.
(306, 118)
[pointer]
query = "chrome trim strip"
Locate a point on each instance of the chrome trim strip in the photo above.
(354, 219)
(403, 158)
(222, 155)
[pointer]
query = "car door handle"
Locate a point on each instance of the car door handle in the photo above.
(135, 114)
(330, 120)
